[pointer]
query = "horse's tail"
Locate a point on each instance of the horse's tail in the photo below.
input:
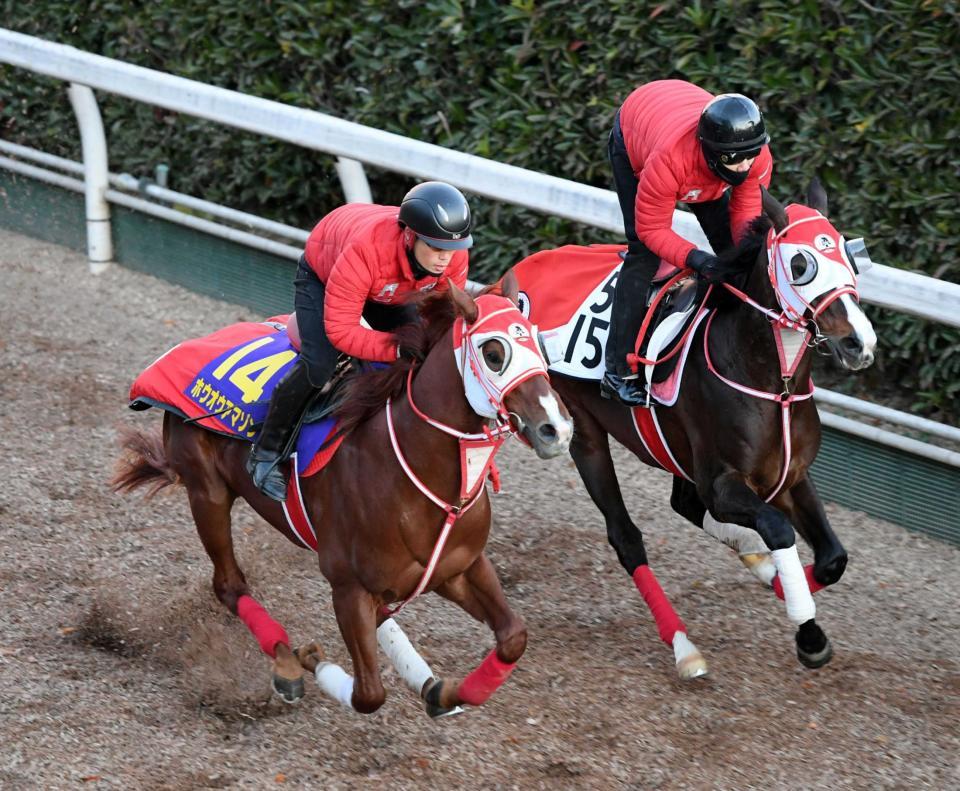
(143, 462)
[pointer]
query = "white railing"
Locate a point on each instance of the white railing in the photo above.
(912, 293)
(908, 292)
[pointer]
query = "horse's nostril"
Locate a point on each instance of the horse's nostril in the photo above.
(547, 432)
(852, 344)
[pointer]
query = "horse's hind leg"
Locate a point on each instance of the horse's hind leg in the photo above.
(478, 591)
(210, 503)
(591, 453)
(748, 545)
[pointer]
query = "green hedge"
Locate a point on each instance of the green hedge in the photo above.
(863, 94)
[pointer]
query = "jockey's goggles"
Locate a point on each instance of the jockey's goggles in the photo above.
(736, 157)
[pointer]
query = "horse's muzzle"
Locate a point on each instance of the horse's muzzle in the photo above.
(549, 438)
(852, 354)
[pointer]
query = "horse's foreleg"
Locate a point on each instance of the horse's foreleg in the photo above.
(478, 591)
(748, 545)
(732, 500)
(356, 613)
(805, 509)
(591, 453)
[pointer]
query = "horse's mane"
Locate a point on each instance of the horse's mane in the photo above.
(366, 391)
(742, 259)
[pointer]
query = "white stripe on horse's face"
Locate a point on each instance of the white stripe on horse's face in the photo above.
(862, 329)
(563, 426)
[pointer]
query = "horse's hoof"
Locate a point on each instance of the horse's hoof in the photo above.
(690, 662)
(431, 701)
(693, 666)
(817, 658)
(437, 713)
(289, 690)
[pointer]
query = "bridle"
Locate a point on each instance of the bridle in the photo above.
(829, 274)
(485, 390)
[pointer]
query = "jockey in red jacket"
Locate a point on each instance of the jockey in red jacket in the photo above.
(674, 142)
(361, 261)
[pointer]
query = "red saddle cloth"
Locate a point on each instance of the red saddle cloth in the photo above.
(568, 293)
(225, 379)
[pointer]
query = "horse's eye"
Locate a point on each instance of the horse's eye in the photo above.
(803, 269)
(494, 355)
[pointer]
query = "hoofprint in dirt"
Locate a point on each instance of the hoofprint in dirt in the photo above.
(119, 667)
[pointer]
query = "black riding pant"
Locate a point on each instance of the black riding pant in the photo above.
(316, 351)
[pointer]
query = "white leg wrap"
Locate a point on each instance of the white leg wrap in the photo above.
(404, 657)
(335, 682)
(742, 539)
(796, 592)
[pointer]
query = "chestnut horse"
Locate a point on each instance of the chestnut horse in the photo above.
(394, 512)
(738, 474)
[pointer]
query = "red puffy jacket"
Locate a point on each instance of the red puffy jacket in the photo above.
(358, 251)
(659, 124)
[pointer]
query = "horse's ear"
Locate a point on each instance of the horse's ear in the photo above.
(464, 303)
(510, 287)
(817, 196)
(773, 209)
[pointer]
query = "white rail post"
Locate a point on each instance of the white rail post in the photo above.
(353, 179)
(94, 143)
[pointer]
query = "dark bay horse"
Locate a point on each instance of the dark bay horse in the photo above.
(743, 431)
(401, 508)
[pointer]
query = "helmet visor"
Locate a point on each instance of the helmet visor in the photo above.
(448, 244)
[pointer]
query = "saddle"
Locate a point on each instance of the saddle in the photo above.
(568, 292)
(671, 306)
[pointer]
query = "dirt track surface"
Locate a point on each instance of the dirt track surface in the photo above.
(118, 667)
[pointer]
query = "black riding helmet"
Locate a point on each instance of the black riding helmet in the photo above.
(439, 214)
(730, 130)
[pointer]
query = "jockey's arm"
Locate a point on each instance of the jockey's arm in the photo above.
(653, 215)
(745, 199)
(347, 289)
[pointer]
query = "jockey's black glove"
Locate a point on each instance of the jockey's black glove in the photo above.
(708, 267)
(411, 353)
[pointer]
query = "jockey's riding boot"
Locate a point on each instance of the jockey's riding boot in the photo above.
(290, 397)
(626, 315)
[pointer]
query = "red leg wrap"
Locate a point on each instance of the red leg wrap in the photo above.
(668, 622)
(267, 631)
(808, 570)
(483, 682)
